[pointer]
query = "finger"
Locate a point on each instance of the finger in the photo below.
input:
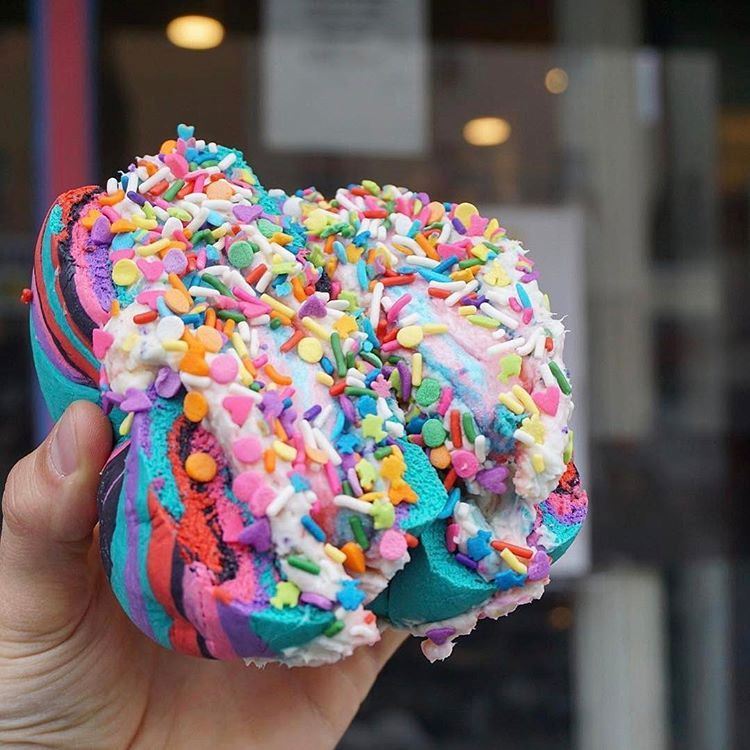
(49, 512)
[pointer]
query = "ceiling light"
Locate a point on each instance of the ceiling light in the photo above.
(556, 81)
(487, 131)
(195, 32)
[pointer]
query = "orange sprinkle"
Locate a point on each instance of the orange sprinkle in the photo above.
(219, 325)
(194, 344)
(436, 292)
(440, 458)
(168, 146)
(328, 247)
(450, 479)
(229, 327)
(122, 225)
(110, 200)
(159, 188)
(292, 341)
(145, 317)
(299, 292)
(174, 279)
(176, 301)
(276, 376)
(338, 389)
(456, 436)
(209, 337)
(269, 460)
(90, 218)
(150, 167)
(355, 557)
(411, 540)
(514, 548)
(194, 364)
(249, 366)
(195, 406)
(210, 316)
(114, 308)
(426, 245)
(201, 467)
(279, 431)
(254, 276)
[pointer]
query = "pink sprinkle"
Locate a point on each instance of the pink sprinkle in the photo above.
(389, 346)
(241, 293)
(116, 255)
(177, 164)
(223, 368)
(151, 269)
(101, 340)
(398, 306)
(180, 236)
(527, 315)
(161, 203)
(258, 362)
(238, 408)
(351, 475)
(149, 297)
(451, 535)
(515, 305)
(245, 484)
(333, 478)
(261, 499)
(446, 396)
(198, 187)
(465, 463)
(247, 449)
(200, 260)
(392, 545)
(110, 213)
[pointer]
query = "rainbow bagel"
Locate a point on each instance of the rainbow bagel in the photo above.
(330, 414)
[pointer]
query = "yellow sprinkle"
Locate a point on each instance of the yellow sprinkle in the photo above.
(324, 379)
(480, 251)
(315, 327)
(173, 345)
(239, 345)
(410, 336)
(416, 369)
(126, 423)
(464, 212)
(281, 239)
(537, 461)
(512, 561)
(491, 228)
(155, 247)
(278, 306)
(463, 275)
(545, 301)
(310, 350)
(125, 272)
(147, 224)
(90, 218)
(219, 232)
(507, 400)
(353, 253)
(283, 451)
(129, 342)
(430, 328)
(369, 497)
(467, 310)
(334, 553)
(523, 396)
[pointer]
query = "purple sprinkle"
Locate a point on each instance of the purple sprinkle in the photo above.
(257, 535)
(312, 412)
(539, 566)
(460, 228)
(405, 376)
(493, 479)
(348, 408)
(272, 405)
(110, 400)
(527, 277)
(136, 198)
(440, 635)
(100, 233)
(167, 382)
(135, 400)
(467, 561)
(175, 262)
(246, 214)
(321, 602)
(312, 307)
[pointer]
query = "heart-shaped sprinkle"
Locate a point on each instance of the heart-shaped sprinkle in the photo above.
(135, 400)
(151, 269)
(101, 341)
(238, 408)
(257, 535)
(548, 400)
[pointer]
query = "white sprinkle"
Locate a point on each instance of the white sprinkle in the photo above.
(409, 320)
(227, 161)
(445, 232)
(244, 330)
(506, 346)
(395, 429)
(204, 291)
(384, 411)
(424, 262)
(254, 343)
(170, 328)
(323, 417)
(492, 312)
(307, 434)
(276, 505)
(342, 198)
(240, 390)
(324, 445)
(132, 184)
(401, 239)
(480, 448)
(338, 304)
(524, 437)
(528, 347)
(448, 286)
(351, 503)
(155, 178)
(377, 296)
(112, 185)
(539, 348)
(217, 204)
(212, 147)
(264, 281)
(547, 376)
(195, 381)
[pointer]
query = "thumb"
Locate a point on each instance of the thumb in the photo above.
(49, 513)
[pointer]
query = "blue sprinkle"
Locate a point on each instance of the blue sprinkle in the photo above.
(360, 240)
(415, 227)
(287, 403)
(450, 503)
(362, 273)
(338, 248)
(161, 306)
(327, 365)
(349, 596)
(445, 264)
(338, 427)
(366, 405)
(122, 241)
(525, 301)
(508, 579)
(370, 331)
(185, 131)
(478, 546)
(192, 319)
(430, 275)
(347, 443)
(215, 219)
(313, 528)
(299, 483)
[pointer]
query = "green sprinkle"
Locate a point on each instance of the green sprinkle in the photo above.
(296, 561)
(148, 210)
(346, 487)
(428, 392)
(275, 323)
(483, 320)
(173, 189)
(359, 532)
(393, 359)
(179, 213)
(470, 426)
(222, 288)
(371, 358)
(354, 390)
(267, 228)
(469, 263)
(495, 248)
(433, 433)
(240, 254)
(382, 452)
(562, 381)
(568, 452)
(338, 354)
(237, 317)
(371, 187)
(256, 386)
(351, 360)
(203, 234)
(334, 628)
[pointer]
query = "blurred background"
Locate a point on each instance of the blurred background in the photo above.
(613, 137)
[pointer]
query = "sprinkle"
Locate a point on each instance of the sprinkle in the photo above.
(195, 406)
(507, 400)
(524, 398)
(359, 532)
(410, 336)
(302, 563)
(201, 467)
(315, 327)
(562, 381)
(283, 451)
(512, 561)
(355, 557)
(334, 628)
(334, 553)
(125, 272)
(416, 369)
(523, 552)
(313, 528)
(280, 307)
(433, 433)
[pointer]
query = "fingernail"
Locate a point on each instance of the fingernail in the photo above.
(63, 450)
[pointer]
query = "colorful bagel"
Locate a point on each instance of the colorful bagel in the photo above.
(330, 414)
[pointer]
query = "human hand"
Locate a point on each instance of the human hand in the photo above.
(76, 673)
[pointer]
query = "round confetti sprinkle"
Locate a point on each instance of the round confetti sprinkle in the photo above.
(427, 393)
(465, 463)
(170, 328)
(195, 406)
(125, 272)
(241, 254)
(433, 433)
(410, 336)
(392, 545)
(310, 350)
(224, 368)
(210, 338)
(247, 449)
(175, 262)
(201, 467)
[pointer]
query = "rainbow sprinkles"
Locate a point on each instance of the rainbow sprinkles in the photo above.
(332, 414)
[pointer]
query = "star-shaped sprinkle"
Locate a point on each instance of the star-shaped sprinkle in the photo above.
(381, 386)
(478, 546)
(510, 366)
(372, 426)
(366, 473)
(345, 325)
(287, 595)
(347, 444)
(509, 579)
(349, 596)
(383, 514)
(533, 425)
